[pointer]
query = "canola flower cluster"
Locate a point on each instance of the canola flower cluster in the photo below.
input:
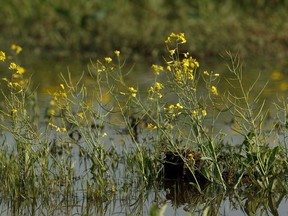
(2, 56)
(155, 90)
(174, 110)
(178, 38)
(195, 113)
(58, 97)
(16, 48)
(61, 94)
(58, 129)
(212, 88)
(132, 91)
(157, 69)
(58, 100)
(16, 82)
(157, 86)
(151, 126)
(17, 68)
(107, 65)
(183, 70)
(102, 67)
(182, 73)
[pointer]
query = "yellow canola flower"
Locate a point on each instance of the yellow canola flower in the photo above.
(206, 73)
(16, 48)
(52, 112)
(158, 86)
(190, 63)
(190, 156)
(277, 75)
(10, 84)
(170, 126)
(151, 90)
(2, 56)
(186, 54)
(63, 94)
(151, 126)
(172, 52)
(20, 70)
(182, 38)
(283, 86)
(159, 95)
(52, 125)
(179, 38)
(58, 129)
(81, 115)
(204, 113)
(16, 84)
(117, 53)
(52, 103)
(155, 90)
(133, 91)
(12, 66)
(214, 90)
(157, 69)
(108, 59)
(113, 189)
(170, 107)
(178, 106)
(169, 68)
(174, 109)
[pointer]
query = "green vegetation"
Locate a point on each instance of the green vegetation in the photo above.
(77, 148)
(139, 27)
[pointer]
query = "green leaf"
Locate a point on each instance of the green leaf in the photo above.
(206, 158)
(154, 211)
(272, 157)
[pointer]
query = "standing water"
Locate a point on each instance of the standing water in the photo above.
(93, 167)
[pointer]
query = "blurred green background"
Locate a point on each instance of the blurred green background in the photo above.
(139, 27)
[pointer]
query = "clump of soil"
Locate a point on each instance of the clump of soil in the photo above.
(184, 164)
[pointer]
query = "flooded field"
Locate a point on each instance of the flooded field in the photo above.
(85, 143)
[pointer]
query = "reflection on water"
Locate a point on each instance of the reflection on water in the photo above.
(181, 198)
(45, 73)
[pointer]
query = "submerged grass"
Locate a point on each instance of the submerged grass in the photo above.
(162, 136)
